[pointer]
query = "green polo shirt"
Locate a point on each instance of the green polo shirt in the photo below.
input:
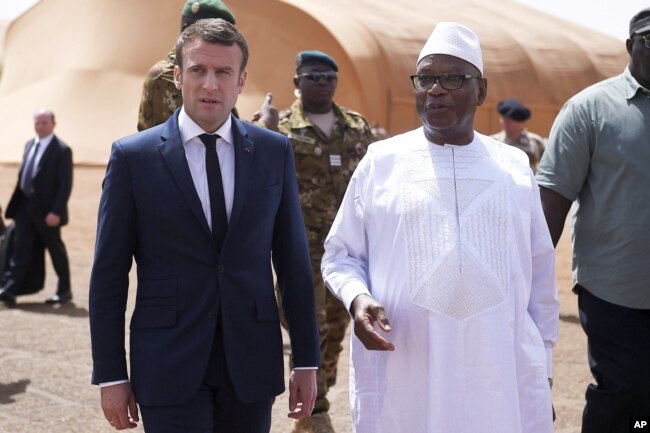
(598, 155)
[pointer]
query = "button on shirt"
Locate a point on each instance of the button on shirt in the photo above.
(195, 154)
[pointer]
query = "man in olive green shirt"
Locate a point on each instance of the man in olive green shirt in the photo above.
(598, 155)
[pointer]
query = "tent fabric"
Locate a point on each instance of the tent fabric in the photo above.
(87, 60)
(3, 29)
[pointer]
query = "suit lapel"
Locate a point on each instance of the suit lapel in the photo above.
(244, 150)
(172, 151)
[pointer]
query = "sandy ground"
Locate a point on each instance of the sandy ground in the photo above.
(45, 361)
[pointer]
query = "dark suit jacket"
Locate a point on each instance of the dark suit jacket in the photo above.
(52, 182)
(150, 210)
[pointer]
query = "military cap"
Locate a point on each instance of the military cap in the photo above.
(200, 9)
(314, 56)
(640, 23)
(513, 109)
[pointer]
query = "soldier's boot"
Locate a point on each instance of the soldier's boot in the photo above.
(317, 423)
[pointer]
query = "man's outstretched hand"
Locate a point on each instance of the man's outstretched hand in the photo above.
(365, 312)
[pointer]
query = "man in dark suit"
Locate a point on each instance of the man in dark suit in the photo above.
(39, 207)
(203, 222)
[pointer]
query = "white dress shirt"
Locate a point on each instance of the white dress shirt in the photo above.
(44, 142)
(195, 154)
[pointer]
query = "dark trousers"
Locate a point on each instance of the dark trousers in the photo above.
(214, 409)
(619, 357)
(29, 227)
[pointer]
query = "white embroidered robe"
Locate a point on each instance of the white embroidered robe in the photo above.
(453, 242)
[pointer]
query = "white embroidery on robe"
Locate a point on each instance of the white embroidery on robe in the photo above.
(457, 252)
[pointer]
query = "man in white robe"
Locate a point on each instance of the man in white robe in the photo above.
(441, 232)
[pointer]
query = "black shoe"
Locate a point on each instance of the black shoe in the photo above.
(8, 298)
(60, 298)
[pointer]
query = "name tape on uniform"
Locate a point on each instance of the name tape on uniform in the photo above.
(301, 138)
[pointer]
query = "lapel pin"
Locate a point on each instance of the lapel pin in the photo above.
(247, 150)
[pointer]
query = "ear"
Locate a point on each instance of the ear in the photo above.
(296, 80)
(482, 90)
(242, 81)
(178, 81)
(628, 45)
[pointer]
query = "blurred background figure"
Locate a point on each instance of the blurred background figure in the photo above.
(39, 207)
(160, 97)
(378, 132)
(514, 115)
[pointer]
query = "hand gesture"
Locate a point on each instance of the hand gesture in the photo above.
(365, 312)
(268, 114)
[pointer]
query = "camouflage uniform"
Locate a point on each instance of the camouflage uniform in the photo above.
(324, 167)
(529, 142)
(160, 97)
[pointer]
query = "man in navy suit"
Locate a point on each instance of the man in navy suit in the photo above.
(39, 207)
(206, 346)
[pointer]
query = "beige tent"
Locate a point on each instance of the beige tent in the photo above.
(3, 29)
(86, 60)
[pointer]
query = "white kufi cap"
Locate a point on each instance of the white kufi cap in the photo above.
(455, 40)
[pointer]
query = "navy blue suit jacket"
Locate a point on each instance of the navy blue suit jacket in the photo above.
(150, 211)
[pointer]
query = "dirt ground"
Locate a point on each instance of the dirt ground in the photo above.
(45, 361)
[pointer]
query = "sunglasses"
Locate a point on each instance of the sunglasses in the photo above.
(315, 76)
(646, 39)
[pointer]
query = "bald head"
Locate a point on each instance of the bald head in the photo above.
(44, 122)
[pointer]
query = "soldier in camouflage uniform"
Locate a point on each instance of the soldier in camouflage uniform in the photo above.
(513, 115)
(160, 97)
(328, 142)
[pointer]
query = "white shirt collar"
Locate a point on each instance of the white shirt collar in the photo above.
(189, 129)
(44, 141)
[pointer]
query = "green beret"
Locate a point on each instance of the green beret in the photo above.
(200, 9)
(314, 56)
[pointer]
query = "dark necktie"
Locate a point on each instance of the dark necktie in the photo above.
(215, 188)
(28, 174)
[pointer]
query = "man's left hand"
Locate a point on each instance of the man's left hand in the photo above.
(302, 393)
(52, 220)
